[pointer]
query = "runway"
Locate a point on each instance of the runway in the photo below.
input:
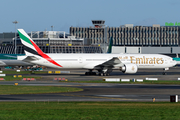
(99, 92)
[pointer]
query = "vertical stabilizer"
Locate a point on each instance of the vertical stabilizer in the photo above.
(31, 49)
(30, 46)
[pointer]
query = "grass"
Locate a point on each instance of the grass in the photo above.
(11, 78)
(89, 111)
(12, 89)
(23, 72)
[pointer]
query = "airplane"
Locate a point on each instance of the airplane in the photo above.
(103, 63)
(11, 60)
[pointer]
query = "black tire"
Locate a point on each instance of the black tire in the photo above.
(164, 73)
(94, 73)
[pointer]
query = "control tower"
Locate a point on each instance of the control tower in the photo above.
(98, 23)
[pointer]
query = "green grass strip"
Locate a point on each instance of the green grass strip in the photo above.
(11, 78)
(89, 111)
(12, 89)
(23, 72)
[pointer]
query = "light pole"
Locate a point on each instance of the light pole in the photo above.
(15, 22)
(52, 28)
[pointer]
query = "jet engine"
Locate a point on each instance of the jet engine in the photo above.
(129, 68)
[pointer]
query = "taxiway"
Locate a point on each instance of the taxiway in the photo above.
(102, 91)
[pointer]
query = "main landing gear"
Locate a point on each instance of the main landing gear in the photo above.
(105, 72)
(90, 73)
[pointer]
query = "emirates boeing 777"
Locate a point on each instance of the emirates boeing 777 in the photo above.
(103, 63)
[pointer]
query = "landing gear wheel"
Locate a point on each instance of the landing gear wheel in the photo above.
(100, 74)
(164, 73)
(86, 73)
(90, 73)
(106, 73)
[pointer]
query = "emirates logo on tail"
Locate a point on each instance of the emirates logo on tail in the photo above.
(31, 47)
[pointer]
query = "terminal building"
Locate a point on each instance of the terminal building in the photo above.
(49, 42)
(132, 39)
(126, 39)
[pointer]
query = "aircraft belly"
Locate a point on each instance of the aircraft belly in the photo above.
(72, 65)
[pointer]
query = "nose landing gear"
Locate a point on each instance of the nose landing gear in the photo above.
(164, 71)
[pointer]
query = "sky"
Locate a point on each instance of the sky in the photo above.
(40, 15)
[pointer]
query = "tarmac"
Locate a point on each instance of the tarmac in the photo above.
(102, 91)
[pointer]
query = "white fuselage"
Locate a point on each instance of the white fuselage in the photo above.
(89, 61)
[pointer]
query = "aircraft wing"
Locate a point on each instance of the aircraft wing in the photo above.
(111, 63)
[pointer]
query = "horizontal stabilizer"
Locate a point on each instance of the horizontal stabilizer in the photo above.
(27, 58)
(30, 58)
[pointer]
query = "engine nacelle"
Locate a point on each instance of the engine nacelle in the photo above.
(129, 68)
